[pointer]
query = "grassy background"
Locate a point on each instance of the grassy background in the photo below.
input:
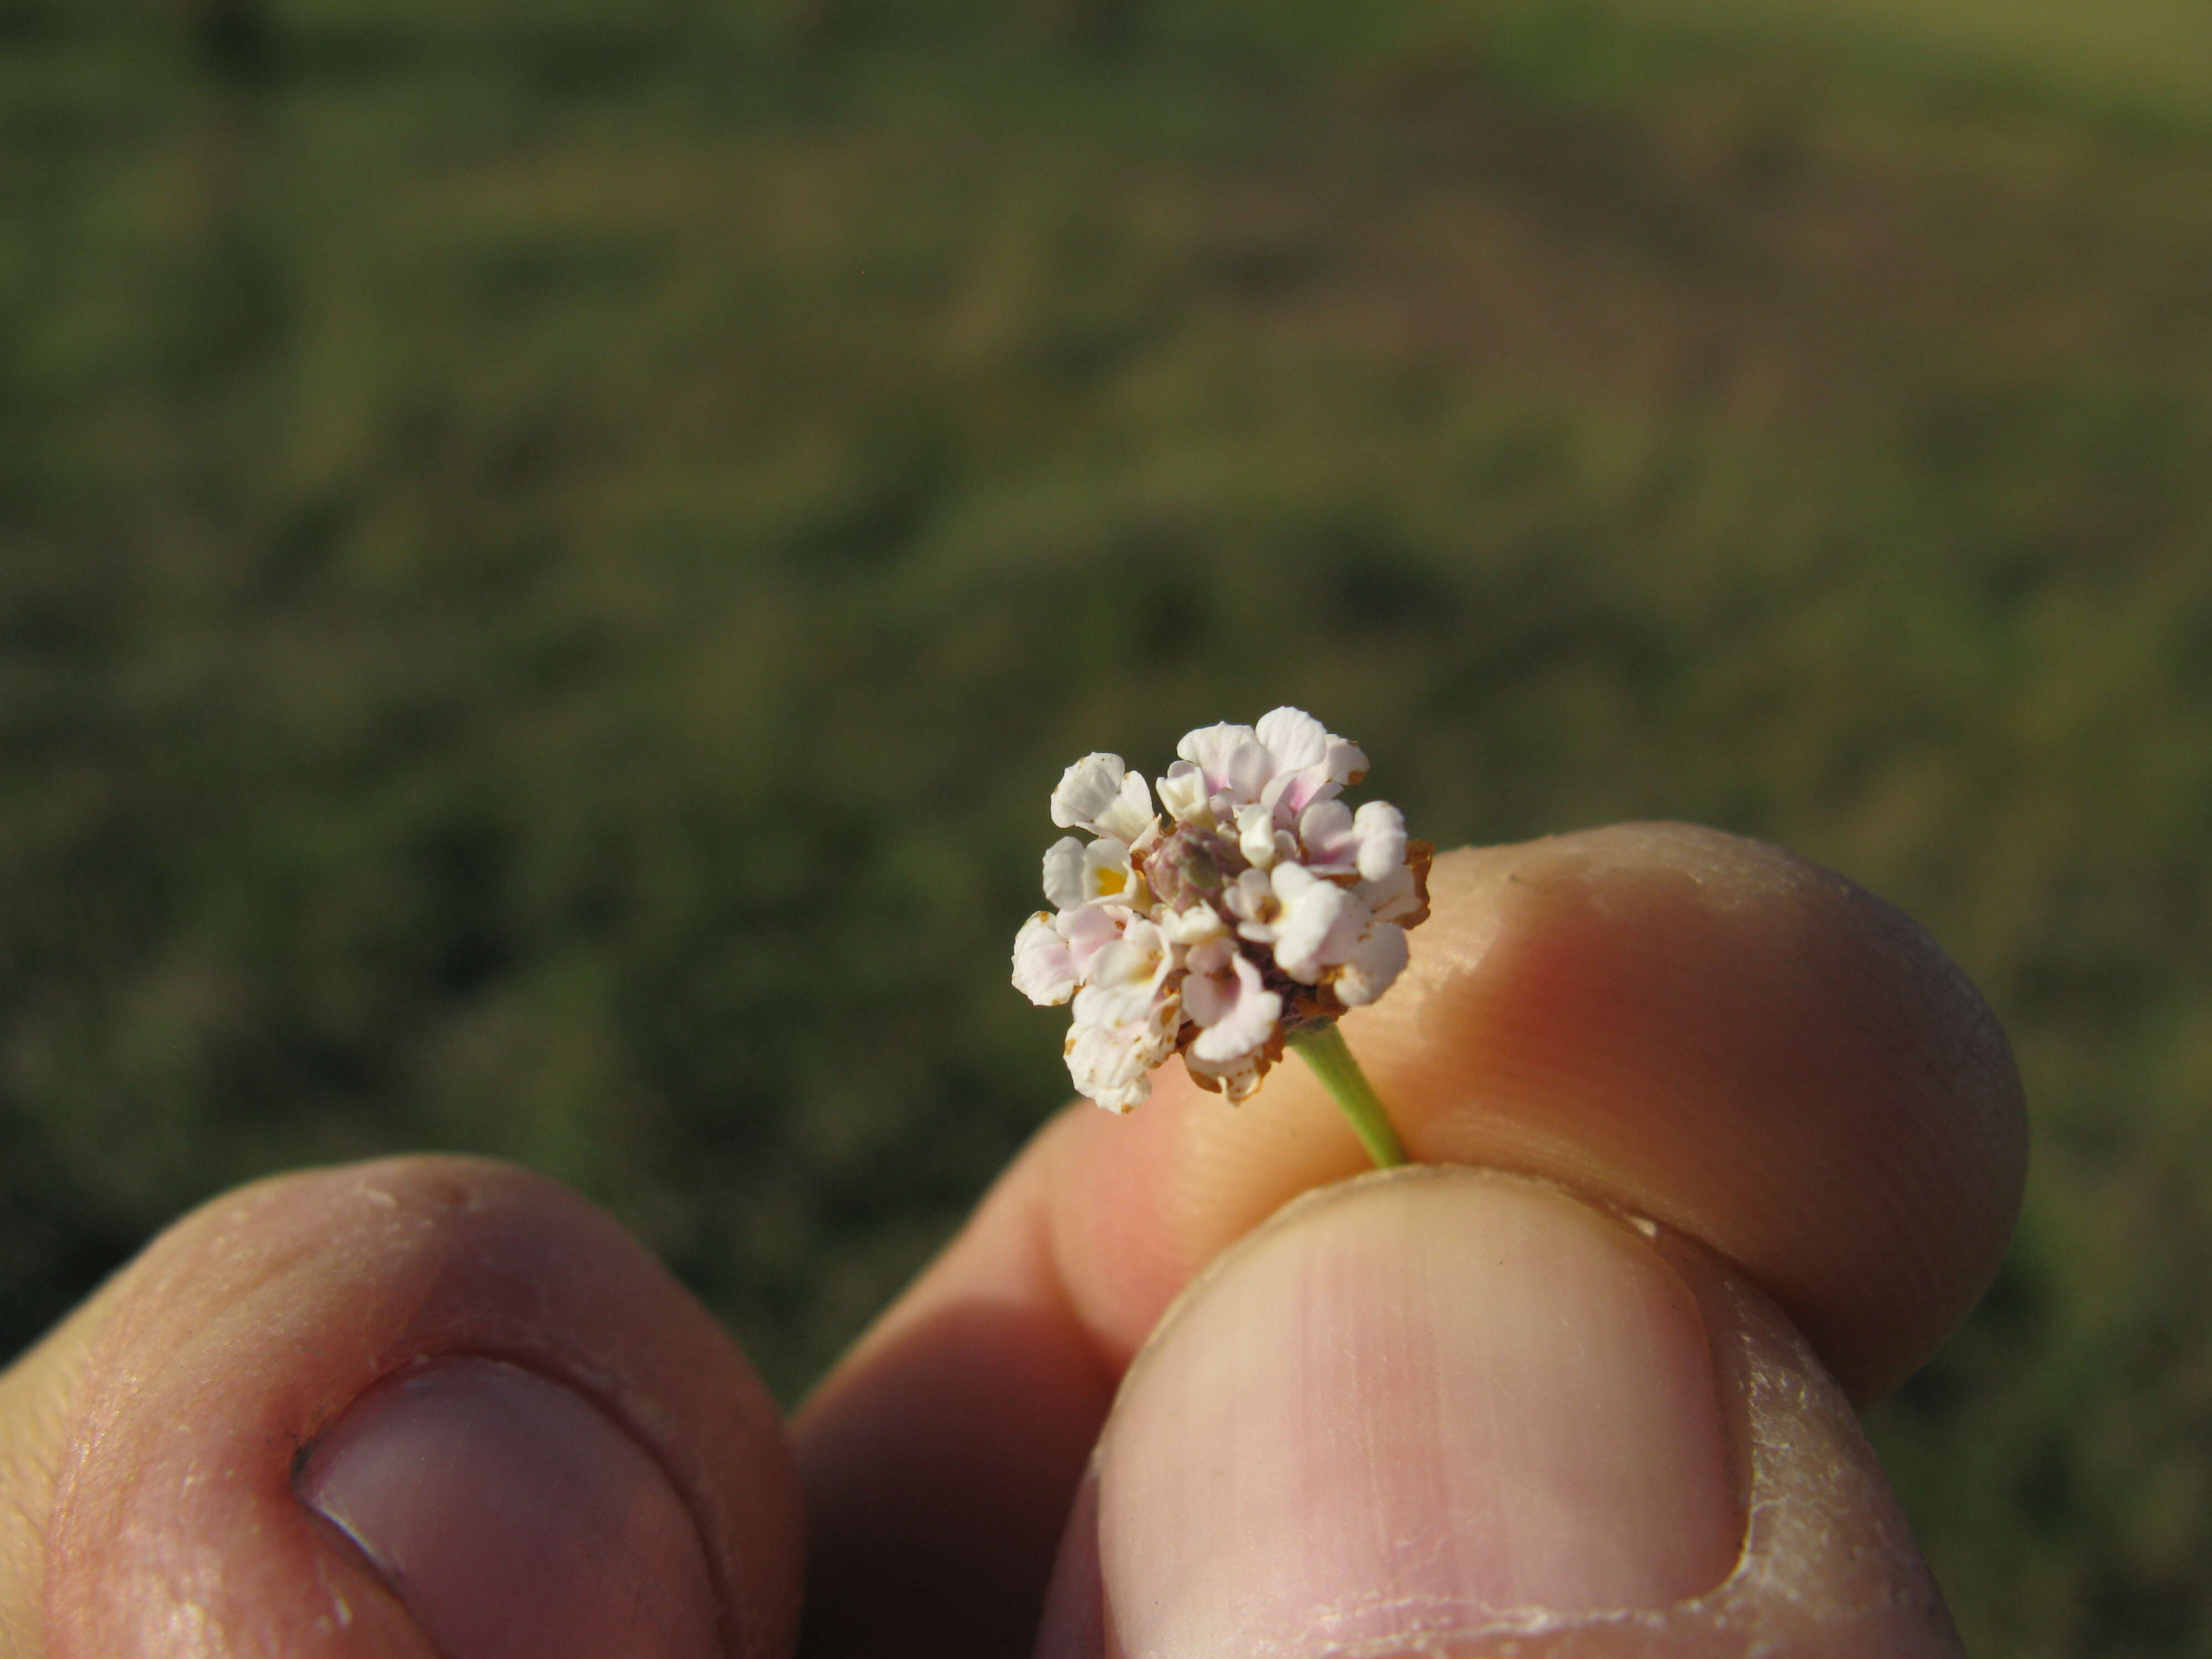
(550, 552)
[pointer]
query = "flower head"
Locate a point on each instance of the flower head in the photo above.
(1258, 904)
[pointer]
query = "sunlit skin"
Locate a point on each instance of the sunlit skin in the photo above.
(1726, 1093)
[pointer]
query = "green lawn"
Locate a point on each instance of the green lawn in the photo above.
(550, 555)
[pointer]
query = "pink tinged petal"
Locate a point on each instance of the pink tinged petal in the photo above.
(1294, 738)
(1311, 762)
(1251, 899)
(1044, 969)
(1209, 988)
(1373, 966)
(1087, 931)
(1187, 796)
(1288, 793)
(1321, 923)
(1113, 995)
(1063, 872)
(1245, 1017)
(1324, 831)
(1246, 773)
(1147, 938)
(1233, 760)
(1380, 831)
(1126, 979)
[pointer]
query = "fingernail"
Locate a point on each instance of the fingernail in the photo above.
(513, 1517)
(1423, 1406)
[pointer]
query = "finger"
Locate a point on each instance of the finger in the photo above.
(429, 1406)
(939, 1456)
(1441, 1410)
(35, 1393)
(1691, 1027)
(1695, 1027)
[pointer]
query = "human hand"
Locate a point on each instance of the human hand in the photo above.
(1399, 1408)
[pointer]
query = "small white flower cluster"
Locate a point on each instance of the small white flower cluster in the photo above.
(1260, 904)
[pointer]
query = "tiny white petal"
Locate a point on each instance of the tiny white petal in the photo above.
(1288, 793)
(1130, 814)
(1256, 836)
(1210, 986)
(1184, 793)
(1100, 795)
(1088, 931)
(1237, 1078)
(1107, 877)
(1325, 833)
(1320, 923)
(1251, 899)
(1196, 925)
(1044, 968)
(1063, 872)
(1108, 1065)
(1113, 1000)
(1086, 789)
(1126, 979)
(1345, 761)
(1373, 966)
(1225, 997)
(1107, 1058)
(1380, 831)
(1118, 990)
(1309, 762)
(1392, 896)
(1294, 738)
(1233, 759)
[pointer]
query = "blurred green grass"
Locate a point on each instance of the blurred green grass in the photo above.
(550, 555)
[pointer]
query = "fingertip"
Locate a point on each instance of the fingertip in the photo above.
(1443, 1410)
(1750, 1047)
(1702, 1028)
(1676, 1023)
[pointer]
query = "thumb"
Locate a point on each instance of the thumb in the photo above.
(423, 1406)
(1440, 1411)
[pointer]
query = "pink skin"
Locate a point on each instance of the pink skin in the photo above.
(273, 1311)
(1689, 1026)
(1804, 1098)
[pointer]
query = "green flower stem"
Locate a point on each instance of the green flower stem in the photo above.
(1324, 1047)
